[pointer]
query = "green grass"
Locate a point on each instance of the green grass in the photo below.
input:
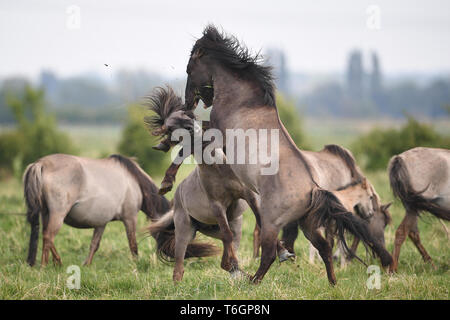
(115, 275)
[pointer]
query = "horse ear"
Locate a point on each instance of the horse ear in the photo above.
(386, 206)
(364, 183)
(197, 53)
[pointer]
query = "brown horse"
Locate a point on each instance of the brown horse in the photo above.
(420, 178)
(223, 73)
(86, 193)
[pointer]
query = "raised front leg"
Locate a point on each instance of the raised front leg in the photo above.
(169, 178)
(95, 243)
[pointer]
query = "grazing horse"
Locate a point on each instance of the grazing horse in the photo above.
(223, 73)
(358, 199)
(87, 193)
(420, 178)
(209, 200)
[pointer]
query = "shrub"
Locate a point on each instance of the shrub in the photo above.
(35, 135)
(136, 141)
(375, 148)
(291, 120)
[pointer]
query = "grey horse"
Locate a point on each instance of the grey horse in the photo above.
(86, 193)
(420, 178)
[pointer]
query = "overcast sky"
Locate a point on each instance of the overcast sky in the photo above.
(413, 36)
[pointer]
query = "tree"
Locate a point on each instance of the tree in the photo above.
(36, 133)
(136, 141)
(291, 120)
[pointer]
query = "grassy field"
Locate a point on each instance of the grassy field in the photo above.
(115, 275)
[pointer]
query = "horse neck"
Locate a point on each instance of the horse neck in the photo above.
(153, 204)
(234, 96)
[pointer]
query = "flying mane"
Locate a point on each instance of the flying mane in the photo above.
(227, 50)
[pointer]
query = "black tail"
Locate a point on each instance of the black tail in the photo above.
(164, 233)
(35, 205)
(412, 200)
(326, 208)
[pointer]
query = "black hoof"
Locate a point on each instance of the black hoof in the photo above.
(161, 147)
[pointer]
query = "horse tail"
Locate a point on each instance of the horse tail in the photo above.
(413, 201)
(326, 208)
(34, 200)
(163, 231)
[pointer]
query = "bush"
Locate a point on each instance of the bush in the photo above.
(136, 141)
(291, 120)
(35, 135)
(378, 146)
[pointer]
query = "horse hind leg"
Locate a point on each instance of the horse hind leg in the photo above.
(408, 223)
(415, 237)
(229, 259)
(184, 233)
(95, 243)
(50, 229)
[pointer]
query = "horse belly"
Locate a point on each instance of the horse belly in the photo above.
(92, 213)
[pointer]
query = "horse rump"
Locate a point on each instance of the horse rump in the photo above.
(326, 208)
(163, 231)
(413, 201)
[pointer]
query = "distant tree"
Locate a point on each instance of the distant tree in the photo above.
(355, 76)
(35, 135)
(292, 120)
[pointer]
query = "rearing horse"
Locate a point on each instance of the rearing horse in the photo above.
(223, 73)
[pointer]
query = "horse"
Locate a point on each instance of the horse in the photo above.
(86, 193)
(334, 167)
(223, 73)
(210, 200)
(358, 198)
(420, 178)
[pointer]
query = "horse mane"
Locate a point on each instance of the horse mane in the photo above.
(348, 159)
(153, 204)
(235, 56)
(165, 104)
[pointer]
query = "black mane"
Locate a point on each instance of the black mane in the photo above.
(232, 54)
(153, 204)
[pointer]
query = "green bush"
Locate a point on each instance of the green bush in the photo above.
(136, 141)
(292, 121)
(35, 135)
(375, 148)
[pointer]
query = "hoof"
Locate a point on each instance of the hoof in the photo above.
(165, 187)
(162, 147)
(286, 255)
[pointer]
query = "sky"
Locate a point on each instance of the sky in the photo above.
(73, 37)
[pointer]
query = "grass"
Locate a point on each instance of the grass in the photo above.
(115, 275)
